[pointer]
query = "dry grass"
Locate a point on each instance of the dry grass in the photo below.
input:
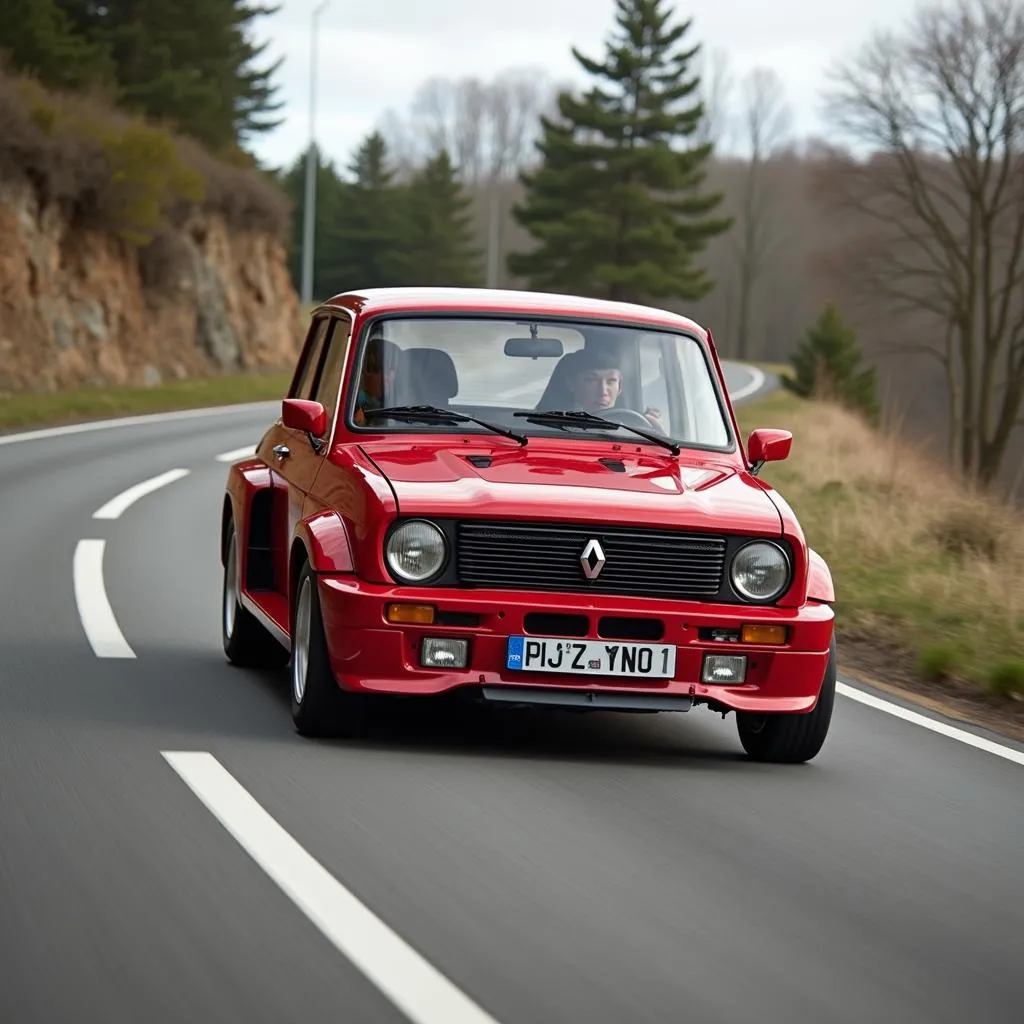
(923, 564)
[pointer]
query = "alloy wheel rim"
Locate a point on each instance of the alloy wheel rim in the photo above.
(300, 653)
(231, 594)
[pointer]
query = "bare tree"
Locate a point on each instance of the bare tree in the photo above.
(401, 144)
(715, 89)
(487, 127)
(765, 124)
(941, 108)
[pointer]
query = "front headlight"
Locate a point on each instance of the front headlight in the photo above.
(415, 551)
(760, 571)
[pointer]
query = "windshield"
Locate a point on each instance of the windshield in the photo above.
(505, 370)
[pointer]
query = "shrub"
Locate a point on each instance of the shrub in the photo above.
(825, 366)
(969, 530)
(146, 175)
(937, 661)
(1008, 677)
(120, 174)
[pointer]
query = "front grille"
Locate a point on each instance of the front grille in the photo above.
(543, 556)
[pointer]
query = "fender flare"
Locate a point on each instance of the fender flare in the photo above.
(245, 479)
(325, 538)
(820, 586)
(322, 540)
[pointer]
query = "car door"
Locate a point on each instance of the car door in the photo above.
(293, 457)
(326, 389)
(279, 446)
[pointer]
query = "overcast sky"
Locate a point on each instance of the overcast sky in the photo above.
(372, 56)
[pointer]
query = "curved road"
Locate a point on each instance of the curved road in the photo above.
(159, 818)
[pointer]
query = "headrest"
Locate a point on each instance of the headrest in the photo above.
(432, 370)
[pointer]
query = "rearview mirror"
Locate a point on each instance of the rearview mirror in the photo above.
(300, 414)
(768, 445)
(534, 348)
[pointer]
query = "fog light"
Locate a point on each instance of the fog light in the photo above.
(421, 614)
(752, 634)
(724, 668)
(443, 652)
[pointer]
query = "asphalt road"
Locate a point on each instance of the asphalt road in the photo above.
(551, 867)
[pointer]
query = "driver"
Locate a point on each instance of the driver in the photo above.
(594, 383)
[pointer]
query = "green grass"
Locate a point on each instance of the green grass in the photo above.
(920, 560)
(37, 410)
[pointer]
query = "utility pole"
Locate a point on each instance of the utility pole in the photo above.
(309, 203)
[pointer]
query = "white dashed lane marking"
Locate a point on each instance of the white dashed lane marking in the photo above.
(118, 504)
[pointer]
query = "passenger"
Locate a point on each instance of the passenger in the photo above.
(380, 367)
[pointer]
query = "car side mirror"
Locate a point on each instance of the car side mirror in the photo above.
(768, 445)
(301, 414)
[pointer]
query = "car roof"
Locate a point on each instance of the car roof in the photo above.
(374, 301)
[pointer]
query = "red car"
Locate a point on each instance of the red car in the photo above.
(529, 499)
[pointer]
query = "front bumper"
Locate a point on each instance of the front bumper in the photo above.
(369, 654)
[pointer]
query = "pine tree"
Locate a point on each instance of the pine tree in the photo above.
(188, 63)
(366, 237)
(825, 365)
(331, 207)
(37, 38)
(616, 204)
(439, 249)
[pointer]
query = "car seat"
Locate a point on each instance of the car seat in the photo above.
(557, 394)
(429, 377)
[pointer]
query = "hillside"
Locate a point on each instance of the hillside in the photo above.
(929, 574)
(131, 256)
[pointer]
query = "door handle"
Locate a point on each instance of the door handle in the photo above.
(281, 451)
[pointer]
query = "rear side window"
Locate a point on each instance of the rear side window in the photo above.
(311, 358)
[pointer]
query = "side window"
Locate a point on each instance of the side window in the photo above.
(302, 385)
(329, 381)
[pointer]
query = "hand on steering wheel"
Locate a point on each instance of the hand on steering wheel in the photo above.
(645, 421)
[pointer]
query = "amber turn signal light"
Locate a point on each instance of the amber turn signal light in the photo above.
(752, 634)
(419, 614)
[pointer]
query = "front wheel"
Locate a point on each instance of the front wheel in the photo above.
(319, 706)
(791, 738)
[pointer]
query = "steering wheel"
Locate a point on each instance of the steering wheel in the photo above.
(628, 417)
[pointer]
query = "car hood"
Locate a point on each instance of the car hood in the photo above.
(584, 483)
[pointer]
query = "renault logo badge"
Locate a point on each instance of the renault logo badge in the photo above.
(592, 559)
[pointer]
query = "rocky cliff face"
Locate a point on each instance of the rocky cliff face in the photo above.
(82, 308)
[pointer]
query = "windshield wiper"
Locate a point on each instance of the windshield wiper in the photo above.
(579, 418)
(432, 414)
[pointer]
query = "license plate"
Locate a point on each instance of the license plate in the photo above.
(559, 656)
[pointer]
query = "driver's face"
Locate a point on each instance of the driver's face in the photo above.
(597, 389)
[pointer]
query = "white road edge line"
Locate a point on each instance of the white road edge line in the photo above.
(101, 629)
(113, 508)
(926, 722)
(135, 421)
(236, 454)
(756, 383)
(416, 987)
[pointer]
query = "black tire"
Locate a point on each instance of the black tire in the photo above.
(246, 641)
(791, 738)
(320, 707)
